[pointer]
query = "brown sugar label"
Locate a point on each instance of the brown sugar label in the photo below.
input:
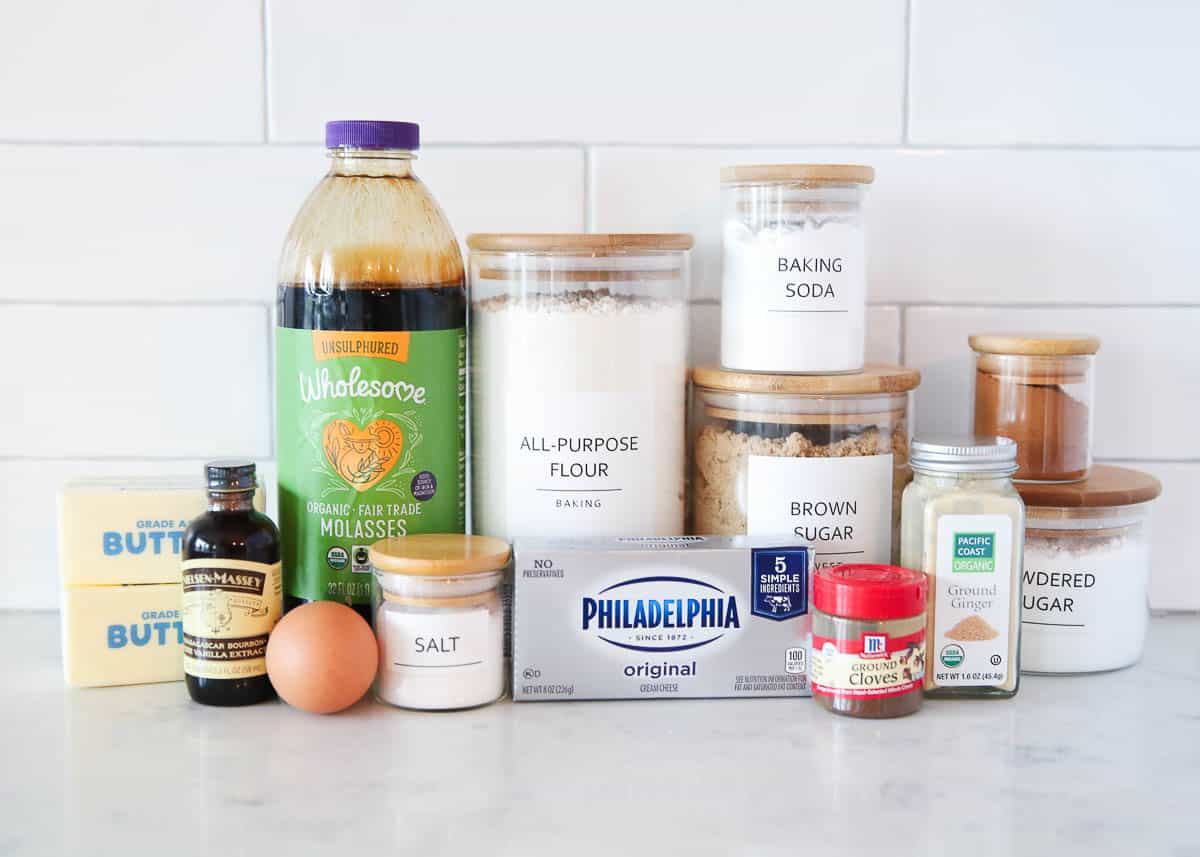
(973, 601)
(229, 609)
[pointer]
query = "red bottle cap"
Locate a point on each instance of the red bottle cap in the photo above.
(870, 591)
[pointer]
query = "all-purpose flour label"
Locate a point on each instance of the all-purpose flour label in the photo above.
(590, 463)
(972, 600)
(794, 298)
(842, 506)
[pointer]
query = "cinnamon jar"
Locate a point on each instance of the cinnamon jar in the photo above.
(1038, 390)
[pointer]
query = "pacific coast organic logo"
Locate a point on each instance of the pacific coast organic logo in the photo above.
(974, 552)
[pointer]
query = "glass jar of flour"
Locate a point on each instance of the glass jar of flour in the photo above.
(439, 620)
(579, 350)
(794, 282)
(1084, 605)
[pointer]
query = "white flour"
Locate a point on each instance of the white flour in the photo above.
(1084, 604)
(578, 415)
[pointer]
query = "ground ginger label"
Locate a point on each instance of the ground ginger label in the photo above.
(973, 600)
(372, 427)
(229, 609)
(871, 666)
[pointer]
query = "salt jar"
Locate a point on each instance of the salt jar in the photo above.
(439, 620)
(1084, 604)
(794, 280)
(579, 349)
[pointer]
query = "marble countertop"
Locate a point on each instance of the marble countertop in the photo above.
(1103, 764)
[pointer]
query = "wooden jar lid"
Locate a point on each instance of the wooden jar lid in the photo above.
(875, 378)
(439, 555)
(1038, 345)
(599, 244)
(1105, 486)
(816, 173)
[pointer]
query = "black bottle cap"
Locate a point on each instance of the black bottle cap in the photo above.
(231, 474)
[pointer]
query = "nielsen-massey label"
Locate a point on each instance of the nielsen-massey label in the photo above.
(372, 444)
(229, 609)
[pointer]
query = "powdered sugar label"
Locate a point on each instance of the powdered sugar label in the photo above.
(842, 506)
(794, 298)
(972, 600)
(591, 463)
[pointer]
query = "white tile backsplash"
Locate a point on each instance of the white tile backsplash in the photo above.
(153, 155)
(953, 226)
(183, 223)
(1059, 72)
(132, 70)
(1174, 584)
(533, 70)
(134, 382)
(1147, 378)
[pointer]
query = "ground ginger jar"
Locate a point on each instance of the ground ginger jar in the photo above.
(868, 640)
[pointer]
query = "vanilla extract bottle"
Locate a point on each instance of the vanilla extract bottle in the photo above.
(232, 591)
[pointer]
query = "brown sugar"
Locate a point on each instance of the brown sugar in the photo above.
(721, 455)
(972, 628)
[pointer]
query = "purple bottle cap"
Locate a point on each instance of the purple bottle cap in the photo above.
(372, 134)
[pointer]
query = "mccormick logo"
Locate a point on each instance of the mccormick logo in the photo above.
(874, 645)
(660, 614)
(974, 552)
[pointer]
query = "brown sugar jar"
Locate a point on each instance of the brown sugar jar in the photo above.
(1038, 390)
(868, 639)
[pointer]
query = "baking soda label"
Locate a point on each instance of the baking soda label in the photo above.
(870, 666)
(841, 506)
(794, 295)
(972, 597)
(584, 463)
(376, 429)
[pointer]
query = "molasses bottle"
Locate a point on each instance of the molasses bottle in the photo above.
(232, 591)
(371, 364)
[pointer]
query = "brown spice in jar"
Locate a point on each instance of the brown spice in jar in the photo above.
(1049, 425)
(973, 628)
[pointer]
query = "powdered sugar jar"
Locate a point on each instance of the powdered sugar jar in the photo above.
(1087, 571)
(579, 350)
(794, 280)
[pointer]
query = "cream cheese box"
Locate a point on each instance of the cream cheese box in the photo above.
(119, 544)
(661, 617)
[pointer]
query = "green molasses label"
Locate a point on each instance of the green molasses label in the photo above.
(372, 435)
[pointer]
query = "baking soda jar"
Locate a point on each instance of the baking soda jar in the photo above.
(371, 366)
(579, 349)
(794, 277)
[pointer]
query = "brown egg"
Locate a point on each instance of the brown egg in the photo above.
(322, 657)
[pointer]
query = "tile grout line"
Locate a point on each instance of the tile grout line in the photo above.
(905, 95)
(632, 144)
(272, 397)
